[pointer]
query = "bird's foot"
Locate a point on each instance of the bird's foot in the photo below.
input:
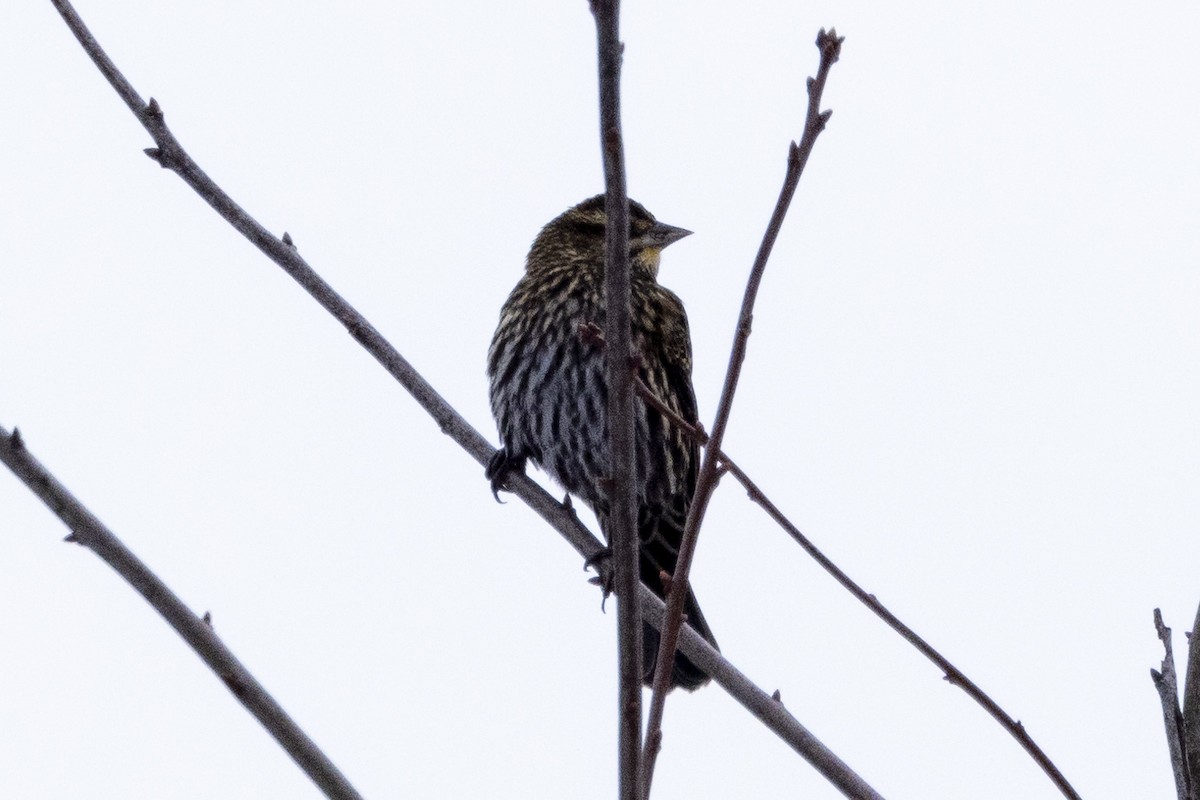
(603, 554)
(601, 560)
(498, 469)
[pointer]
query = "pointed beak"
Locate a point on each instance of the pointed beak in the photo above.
(662, 235)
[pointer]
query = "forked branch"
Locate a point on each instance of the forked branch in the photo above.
(952, 674)
(1181, 725)
(171, 155)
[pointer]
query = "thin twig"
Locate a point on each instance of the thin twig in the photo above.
(766, 708)
(951, 673)
(692, 429)
(830, 45)
(558, 515)
(90, 532)
(1168, 694)
(622, 514)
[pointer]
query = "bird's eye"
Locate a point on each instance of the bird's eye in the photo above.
(588, 228)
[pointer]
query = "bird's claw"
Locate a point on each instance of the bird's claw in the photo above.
(605, 582)
(604, 577)
(498, 469)
(603, 554)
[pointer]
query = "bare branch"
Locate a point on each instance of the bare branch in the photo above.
(692, 429)
(558, 515)
(90, 532)
(952, 673)
(620, 525)
(1191, 707)
(1168, 694)
(815, 124)
(765, 707)
(830, 45)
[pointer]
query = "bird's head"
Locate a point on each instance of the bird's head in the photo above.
(578, 234)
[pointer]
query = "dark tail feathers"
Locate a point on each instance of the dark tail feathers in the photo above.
(685, 674)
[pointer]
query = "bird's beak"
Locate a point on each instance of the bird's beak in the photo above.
(662, 235)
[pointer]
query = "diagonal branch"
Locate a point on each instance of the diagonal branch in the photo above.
(830, 46)
(767, 708)
(620, 524)
(952, 673)
(90, 532)
(170, 154)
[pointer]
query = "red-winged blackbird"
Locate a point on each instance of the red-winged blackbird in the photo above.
(549, 390)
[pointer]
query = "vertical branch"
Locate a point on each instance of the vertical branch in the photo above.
(1168, 695)
(621, 530)
(170, 154)
(1191, 706)
(830, 45)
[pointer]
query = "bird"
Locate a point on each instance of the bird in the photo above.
(548, 389)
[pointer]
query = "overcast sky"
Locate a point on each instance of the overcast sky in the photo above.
(973, 381)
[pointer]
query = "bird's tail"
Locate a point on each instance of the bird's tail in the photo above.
(660, 536)
(685, 674)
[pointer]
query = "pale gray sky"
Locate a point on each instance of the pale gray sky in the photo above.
(973, 380)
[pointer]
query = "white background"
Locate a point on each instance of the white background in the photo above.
(973, 380)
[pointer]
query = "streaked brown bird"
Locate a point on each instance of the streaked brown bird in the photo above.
(549, 390)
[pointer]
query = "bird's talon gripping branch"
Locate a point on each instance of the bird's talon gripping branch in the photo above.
(498, 469)
(597, 557)
(601, 561)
